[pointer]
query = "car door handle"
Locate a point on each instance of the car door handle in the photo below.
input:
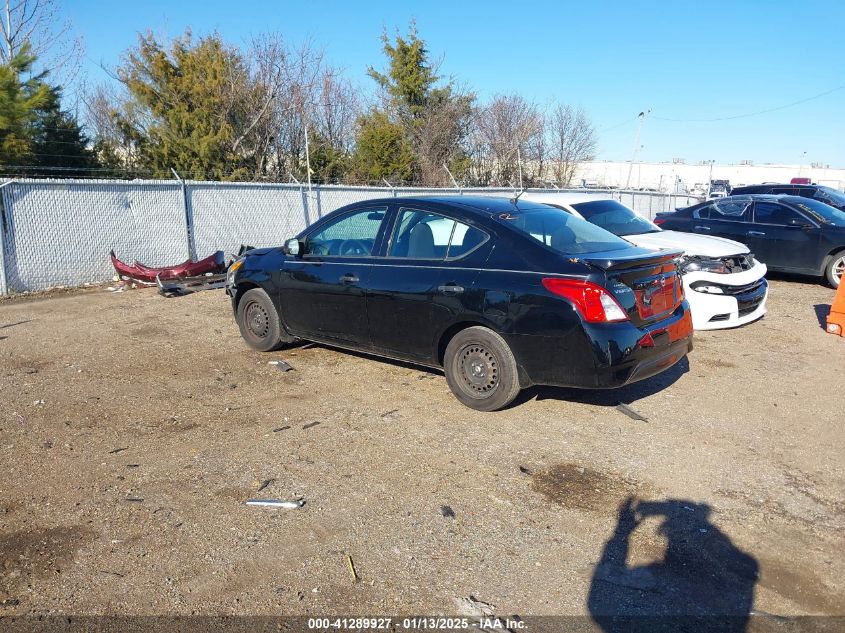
(349, 278)
(701, 228)
(756, 234)
(450, 289)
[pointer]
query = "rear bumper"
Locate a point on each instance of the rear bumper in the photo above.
(603, 356)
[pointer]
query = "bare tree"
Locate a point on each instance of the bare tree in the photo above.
(507, 130)
(572, 140)
(51, 39)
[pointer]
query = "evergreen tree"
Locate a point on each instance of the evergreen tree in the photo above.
(58, 140)
(187, 107)
(434, 118)
(382, 151)
(20, 101)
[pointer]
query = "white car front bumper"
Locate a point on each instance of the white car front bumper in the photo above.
(743, 299)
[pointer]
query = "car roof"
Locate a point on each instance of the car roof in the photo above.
(552, 197)
(769, 185)
(481, 205)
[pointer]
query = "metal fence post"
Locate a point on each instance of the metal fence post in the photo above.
(189, 225)
(306, 211)
(4, 230)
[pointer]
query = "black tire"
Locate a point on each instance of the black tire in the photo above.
(481, 369)
(259, 322)
(835, 268)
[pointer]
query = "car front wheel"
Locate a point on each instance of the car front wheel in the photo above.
(835, 269)
(259, 322)
(481, 369)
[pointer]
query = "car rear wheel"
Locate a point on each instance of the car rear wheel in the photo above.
(259, 322)
(481, 369)
(835, 269)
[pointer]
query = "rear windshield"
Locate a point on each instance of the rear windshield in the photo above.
(563, 232)
(615, 217)
(819, 211)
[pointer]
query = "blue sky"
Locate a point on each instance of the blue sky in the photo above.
(687, 60)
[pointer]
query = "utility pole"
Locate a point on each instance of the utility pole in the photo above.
(641, 116)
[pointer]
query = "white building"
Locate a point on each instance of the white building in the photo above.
(678, 176)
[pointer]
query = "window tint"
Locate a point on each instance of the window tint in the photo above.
(351, 235)
(425, 235)
(563, 231)
(773, 213)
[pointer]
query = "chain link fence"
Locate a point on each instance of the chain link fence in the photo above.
(58, 233)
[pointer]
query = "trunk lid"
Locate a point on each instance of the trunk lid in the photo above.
(646, 284)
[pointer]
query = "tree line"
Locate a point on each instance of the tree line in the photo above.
(266, 111)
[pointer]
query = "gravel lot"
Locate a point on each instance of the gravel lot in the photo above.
(134, 427)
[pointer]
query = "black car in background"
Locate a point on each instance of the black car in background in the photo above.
(787, 233)
(500, 294)
(828, 195)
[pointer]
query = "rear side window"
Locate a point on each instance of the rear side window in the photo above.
(426, 235)
(564, 232)
(732, 210)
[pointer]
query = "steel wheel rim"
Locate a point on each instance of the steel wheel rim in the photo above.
(478, 370)
(257, 320)
(839, 269)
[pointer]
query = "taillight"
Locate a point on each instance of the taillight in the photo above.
(659, 221)
(594, 302)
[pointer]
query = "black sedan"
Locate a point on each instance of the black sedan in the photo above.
(787, 233)
(501, 294)
(828, 195)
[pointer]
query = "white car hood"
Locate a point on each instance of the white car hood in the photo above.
(690, 243)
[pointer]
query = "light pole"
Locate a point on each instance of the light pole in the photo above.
(641, 116)
(710, 179)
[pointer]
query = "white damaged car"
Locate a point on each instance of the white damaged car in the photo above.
(724, 284)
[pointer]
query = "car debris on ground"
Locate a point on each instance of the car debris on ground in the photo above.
(624, 408)
(149, 275)
(280, 365)
(276, 503)
(351, 565)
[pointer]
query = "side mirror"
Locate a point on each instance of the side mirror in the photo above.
(294, 247)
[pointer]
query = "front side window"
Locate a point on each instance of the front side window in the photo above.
(615, 217)
(773, 213)
(563, 231)
(352, 235)
(426, 235)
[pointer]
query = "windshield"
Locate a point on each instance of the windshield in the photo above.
(563, 231)
(615, 217)
(819, 211)
(830, 196)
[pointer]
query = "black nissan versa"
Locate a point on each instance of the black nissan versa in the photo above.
(501, 294)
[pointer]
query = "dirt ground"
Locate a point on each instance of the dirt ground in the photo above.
(133, 428)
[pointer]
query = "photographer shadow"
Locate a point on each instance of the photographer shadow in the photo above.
(702, 583)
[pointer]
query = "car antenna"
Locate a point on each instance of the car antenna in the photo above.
(515, 199)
